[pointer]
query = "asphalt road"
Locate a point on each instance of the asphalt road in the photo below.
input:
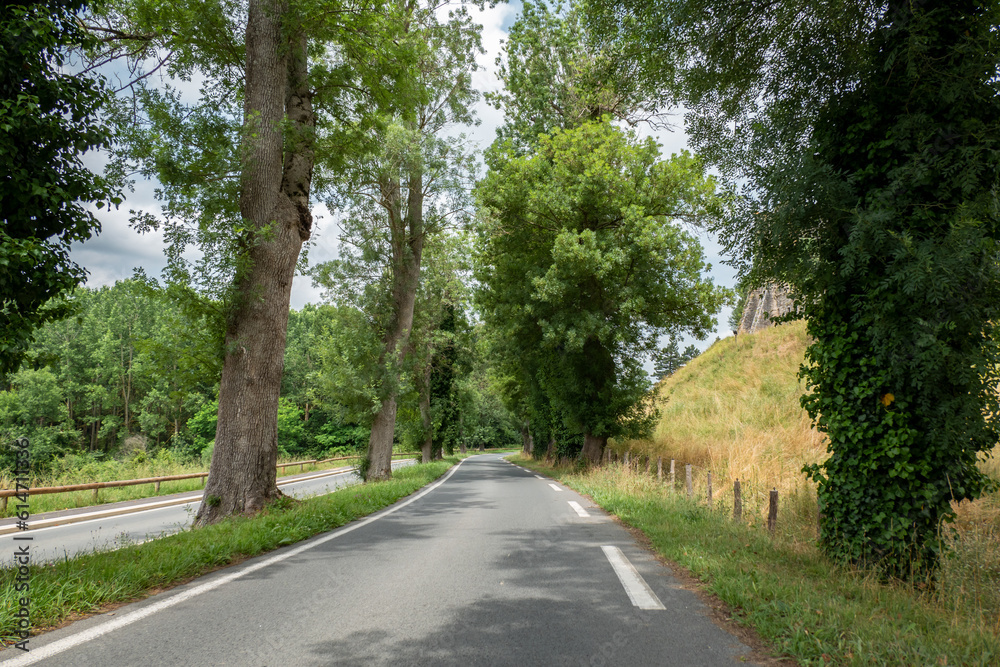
(492, 565)
(104, 527)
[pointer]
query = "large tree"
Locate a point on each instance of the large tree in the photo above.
(583, 267)
(236, 169)
(49, 116)
(869, 135)
(411, 184)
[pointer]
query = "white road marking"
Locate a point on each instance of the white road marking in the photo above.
(57, 647)
(579, 510)
(539, 477)
(639, 592)
(555, 487)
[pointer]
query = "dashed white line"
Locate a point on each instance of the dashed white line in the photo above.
(556, 488)
(539, 477)
(639, 592)
(579, 510)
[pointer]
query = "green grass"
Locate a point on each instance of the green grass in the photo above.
(89, 582)
(799, 602)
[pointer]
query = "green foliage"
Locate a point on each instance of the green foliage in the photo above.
(48, 118)
(670, 358)
(557, 75)
(130, 363)
(583, 269)
(869, 136)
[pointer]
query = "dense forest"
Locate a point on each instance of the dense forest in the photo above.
(132, 372)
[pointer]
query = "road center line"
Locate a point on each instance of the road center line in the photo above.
(66, 643)
(579, 510)
(539, 477)
(555, 487)
(639, 592)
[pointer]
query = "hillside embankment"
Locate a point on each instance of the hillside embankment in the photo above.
(734, 411)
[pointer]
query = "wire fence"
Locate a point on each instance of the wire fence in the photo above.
(748, 499)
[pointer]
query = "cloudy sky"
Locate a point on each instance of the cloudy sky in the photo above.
(119, 250)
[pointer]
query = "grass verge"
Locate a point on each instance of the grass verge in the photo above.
(799, 602)
(114, 470)
(87, 583)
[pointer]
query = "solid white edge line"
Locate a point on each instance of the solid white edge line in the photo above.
(555, 487)
(639, 592)
(579, 510)
(66, 643)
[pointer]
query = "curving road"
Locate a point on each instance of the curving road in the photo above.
(492, 565)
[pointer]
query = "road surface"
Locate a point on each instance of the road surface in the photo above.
(491, 565)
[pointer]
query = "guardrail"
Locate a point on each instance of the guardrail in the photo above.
(155, 481)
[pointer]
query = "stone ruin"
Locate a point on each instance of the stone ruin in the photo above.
(761, 306)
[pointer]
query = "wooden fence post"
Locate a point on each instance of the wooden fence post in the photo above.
(4, 508)
(649, 462)
(95, 496)
(659, 468)
(626, 458)
(687, 475)
(673, 477)
(772, 512)
(710, 488)
(737, 502)
(156, 487)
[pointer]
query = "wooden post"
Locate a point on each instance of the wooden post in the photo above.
(673, 477)
(737, 502)
(649, 462)
(687, 475)
(302, 468)
(626, 458)
(659, 468)
(4, 508)
(156, 487)
(772, 512)
(709, 488)
(95, 495)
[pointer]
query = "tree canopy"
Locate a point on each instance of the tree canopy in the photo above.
(48, 118)
(583, 267)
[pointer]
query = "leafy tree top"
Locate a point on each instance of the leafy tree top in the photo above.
(583, 269)
(48, 118)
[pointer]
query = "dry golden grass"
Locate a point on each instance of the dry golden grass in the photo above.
(735, 410)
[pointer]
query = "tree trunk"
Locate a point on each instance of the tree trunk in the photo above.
(407, 239)
(427, 448)
(550, 451)
(461, 435)
(274, 201)
(593, 448)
